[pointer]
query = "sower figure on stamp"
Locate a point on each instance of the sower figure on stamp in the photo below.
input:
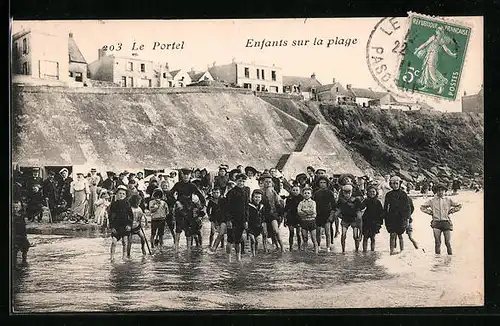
(440, 208)
(429, 52)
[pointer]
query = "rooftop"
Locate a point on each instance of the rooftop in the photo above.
(305, 83)
(75, 55)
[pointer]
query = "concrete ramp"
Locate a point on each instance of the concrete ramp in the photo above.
(322, 150)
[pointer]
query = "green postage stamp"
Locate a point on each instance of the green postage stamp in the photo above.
(434, 56)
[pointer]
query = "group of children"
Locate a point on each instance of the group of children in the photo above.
(248, 211)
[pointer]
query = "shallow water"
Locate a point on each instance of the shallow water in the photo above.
(74, 274)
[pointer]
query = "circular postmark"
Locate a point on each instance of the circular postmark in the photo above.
(384, 52)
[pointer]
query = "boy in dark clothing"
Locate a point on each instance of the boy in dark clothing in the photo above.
(292, 219)
(121, 218)
(325, 206)
(34, 207)
(397, 212)
(237, 213)
(20, 241)
(256, 212)
(350, 209)
(186, 189)
(159, 211)
(215, 211)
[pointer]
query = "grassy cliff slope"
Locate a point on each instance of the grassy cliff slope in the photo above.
(420, 143)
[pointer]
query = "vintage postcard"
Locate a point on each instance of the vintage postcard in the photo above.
(163, 165)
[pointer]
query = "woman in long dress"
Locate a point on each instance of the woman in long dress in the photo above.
(81, 193)
(93, 180)
(429, 51)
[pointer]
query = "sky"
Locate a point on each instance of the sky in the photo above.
(221, 41)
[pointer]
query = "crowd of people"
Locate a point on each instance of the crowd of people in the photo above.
(242, 204)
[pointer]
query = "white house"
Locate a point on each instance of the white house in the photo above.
(180, 77)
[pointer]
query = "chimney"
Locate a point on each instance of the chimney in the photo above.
(349, 86)
(213, 64)
(166, 66)
(333, 80)
(70, 35)
(465, 93)
(101, 53)
(313, 76)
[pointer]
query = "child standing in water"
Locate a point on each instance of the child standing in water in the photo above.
(409, 227)
(215, 211)
(20, 242)
(292, 219)
(307, 213)
(135, 201)
(372, 217)
(256, 212)
(440, 208)
(120, 220)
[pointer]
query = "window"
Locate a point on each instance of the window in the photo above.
(78, 77)
(88, 74)
(336, 89)
(143, 67)
(273, 75)
(25, 68)
(15, 50)
(164, 75)
(131, 82)
(49, 69)
(258, 87)
(130, 66)
(247, 72)
(247, 85)
(71, 74)
(170, 84)
(258, 74)
(124, 81)
(262, 74)
(150, 83)
(25, 46)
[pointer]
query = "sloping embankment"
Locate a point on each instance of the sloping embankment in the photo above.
(119, 128)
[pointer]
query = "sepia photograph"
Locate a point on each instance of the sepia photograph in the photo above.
(242, 164)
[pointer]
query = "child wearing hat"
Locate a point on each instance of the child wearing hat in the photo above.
(292, 219)
(350, 209)
(325, 207)
(307, 213)
(373, 218)
(237, 213)
(121, 218)
(440, 208)
(397, 212)
(159, 211)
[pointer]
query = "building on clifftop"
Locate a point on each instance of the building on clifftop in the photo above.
(260, 78)
(305, 86)
(473, 103)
